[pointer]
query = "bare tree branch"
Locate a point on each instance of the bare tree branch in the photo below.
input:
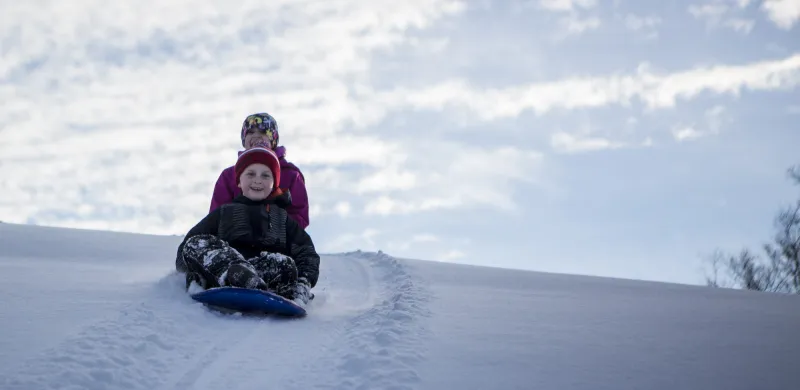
(780, 271)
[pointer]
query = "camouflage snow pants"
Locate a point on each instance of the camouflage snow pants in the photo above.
(211, 262)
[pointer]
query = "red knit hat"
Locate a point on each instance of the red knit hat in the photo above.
(259, 155)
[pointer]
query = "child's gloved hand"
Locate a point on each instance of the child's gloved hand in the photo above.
(302, 291)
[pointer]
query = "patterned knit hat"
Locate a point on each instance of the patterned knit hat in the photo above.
(262, 123)
(259, 155)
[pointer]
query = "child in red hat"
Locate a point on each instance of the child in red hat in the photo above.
(249, 243)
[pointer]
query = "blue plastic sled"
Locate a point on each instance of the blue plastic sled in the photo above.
(248, 301)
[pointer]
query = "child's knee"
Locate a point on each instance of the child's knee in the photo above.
(204, 242)
(193, 251)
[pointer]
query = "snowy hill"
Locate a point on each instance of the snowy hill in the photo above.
(102, 310)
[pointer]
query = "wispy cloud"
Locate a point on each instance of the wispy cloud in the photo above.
(571, 143)
(731, 13)
(575, 25)
(714, 119)
(451, 179)
(655, 90)
(567, 5)
(572, 17)
(647, 26)
(723, 13)
(452, 255)
(402, 244)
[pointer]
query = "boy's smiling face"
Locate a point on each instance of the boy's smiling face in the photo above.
(256, 182)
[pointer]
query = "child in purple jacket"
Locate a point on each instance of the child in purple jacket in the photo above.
(262, 130)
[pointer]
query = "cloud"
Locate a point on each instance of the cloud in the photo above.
(784, 13)
(453, 176)
(387, 179)
(452, 255)
(571, 18)
(343, 209)
(682, 133)
(329, 206)
(728, 13)
(714, 119)
(364, 240)
(424, 238)
(654, 90)
(412, 243)
(570, 143)
(725, 14)
(575, 25)
(741, 25)
(645, 25)
(566, 5)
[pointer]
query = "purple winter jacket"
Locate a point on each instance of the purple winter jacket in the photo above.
(291, 179)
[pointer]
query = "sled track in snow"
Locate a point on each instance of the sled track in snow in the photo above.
(362, 332)
(381, 347)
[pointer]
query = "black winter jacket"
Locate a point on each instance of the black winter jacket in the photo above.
(252, 227)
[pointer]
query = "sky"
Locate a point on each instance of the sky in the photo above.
(613, 138)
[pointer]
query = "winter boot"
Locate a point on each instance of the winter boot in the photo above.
(243, 275)
(196, 278)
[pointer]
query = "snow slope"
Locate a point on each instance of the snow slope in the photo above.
(102, 310)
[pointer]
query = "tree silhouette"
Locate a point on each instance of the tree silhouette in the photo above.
(778, 271)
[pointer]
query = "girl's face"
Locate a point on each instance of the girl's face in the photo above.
(256, 182)
(251, 137)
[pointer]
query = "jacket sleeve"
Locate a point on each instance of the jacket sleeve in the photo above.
(301, 249)
(207, 225)
(222, 192)
(299, 208)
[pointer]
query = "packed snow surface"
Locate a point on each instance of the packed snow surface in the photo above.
(102, 310)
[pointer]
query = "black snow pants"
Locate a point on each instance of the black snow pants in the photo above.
(212, 262)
